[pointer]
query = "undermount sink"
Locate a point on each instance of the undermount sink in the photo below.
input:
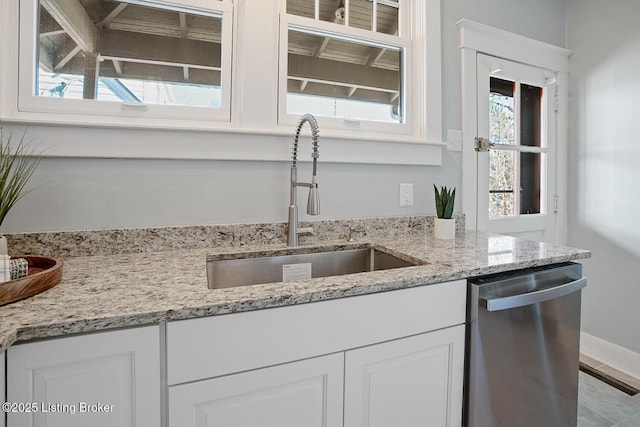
(254, 268)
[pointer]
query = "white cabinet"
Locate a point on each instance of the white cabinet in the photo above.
(387, 359)
(2, 389)
(305, 393)
(414, 381)
(104, 379)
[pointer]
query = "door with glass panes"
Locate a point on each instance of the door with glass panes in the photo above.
(515, 149)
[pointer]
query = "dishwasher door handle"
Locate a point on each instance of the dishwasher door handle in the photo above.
(505, 303)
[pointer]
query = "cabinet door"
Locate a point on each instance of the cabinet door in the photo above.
(414, 381)
(306, 393)
(104, 379)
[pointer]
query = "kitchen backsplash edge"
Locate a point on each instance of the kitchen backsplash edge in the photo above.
(66, 244)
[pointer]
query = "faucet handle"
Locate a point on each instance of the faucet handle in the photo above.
(352, 231)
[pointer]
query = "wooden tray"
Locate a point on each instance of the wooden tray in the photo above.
(44, 273)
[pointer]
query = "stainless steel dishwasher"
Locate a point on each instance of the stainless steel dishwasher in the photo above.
(523, 336)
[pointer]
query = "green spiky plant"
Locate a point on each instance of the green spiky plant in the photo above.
(445, 198)
(17, 164)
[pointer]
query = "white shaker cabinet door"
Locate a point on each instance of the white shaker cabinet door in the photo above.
(106, 379)
(305, 393)
(414, 381)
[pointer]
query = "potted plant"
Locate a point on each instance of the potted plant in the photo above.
(17, 164)
(444, 226)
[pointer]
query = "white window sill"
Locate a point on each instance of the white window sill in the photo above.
(167, 139)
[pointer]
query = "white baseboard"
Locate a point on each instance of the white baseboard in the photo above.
(613, 355)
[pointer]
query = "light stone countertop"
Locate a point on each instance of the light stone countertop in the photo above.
(113, 291)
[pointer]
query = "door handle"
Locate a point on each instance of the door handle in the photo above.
(505, 303)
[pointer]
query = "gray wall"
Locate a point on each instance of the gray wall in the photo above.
(604, 151)
(109, 193)
(542, 20)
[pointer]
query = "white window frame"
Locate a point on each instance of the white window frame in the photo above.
(105, 111)
(330, 29)
(253, 132)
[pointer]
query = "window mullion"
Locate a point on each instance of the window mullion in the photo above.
(347, 9)
(337, 30)
(374, 16)
(518, 140)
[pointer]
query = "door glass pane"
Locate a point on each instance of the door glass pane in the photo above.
(502, 125)
(502, 164)
(530, 135)
(530, 183)
(336, 77)
(531, 115)
(501, 183)
(511, 171)
(128, 53)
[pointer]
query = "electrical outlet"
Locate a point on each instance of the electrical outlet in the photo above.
(406, 195)
(454, 140)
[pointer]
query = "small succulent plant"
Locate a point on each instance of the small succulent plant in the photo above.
(445, 198)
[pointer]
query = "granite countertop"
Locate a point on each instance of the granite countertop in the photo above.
(111, 291)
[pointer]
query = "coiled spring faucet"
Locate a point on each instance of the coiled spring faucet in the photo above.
(313, 204)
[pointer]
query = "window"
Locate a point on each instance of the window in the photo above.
(516, 161)
(169, 64)
(124, 58)
(347, 62)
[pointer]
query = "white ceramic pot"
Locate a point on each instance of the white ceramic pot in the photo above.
(444, 228)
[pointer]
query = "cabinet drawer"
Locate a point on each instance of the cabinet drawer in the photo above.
(220, 345)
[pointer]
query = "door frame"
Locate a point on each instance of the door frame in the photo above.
(479, 38)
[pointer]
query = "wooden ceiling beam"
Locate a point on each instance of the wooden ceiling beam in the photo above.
(327, 89)
(306, 67)
(149, 47)
(183, 24)
(336, 20)
(74, 20)
(377, 52)
(113, 14)
(375, 55)
(68, 57)
(52, 33)
(117, 66)
(135, 70)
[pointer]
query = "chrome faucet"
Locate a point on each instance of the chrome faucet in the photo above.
(313, 204)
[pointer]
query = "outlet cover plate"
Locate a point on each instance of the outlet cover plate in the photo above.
(406, 195)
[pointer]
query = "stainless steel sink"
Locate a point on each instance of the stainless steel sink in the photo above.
(252, 268)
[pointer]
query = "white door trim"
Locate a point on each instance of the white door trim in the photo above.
(479, 38)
